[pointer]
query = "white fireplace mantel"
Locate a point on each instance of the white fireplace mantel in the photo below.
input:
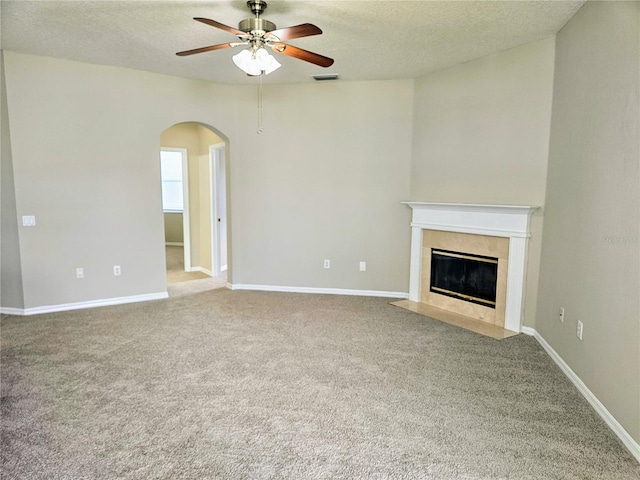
(511, 221)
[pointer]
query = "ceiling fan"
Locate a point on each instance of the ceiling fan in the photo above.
(259, 34)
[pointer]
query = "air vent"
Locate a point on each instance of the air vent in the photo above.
(325, 76)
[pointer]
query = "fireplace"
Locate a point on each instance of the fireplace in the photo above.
(480, 251)
(477, 269)
(471, 278)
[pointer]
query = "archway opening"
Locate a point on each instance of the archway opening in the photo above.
(194, 182)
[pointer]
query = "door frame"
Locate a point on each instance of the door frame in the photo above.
(217, 157)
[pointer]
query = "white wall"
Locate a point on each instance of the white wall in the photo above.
(206, 138)
(481, 135)
(85, 144)
(323, 181)
(481, 129)
(591, 247)
(11, 294)
(173, 230)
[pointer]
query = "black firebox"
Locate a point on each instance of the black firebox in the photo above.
(464, 276)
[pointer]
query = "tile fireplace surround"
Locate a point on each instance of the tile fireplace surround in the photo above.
(507, 221)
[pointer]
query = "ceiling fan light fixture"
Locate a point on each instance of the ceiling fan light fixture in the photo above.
(266, 62)
(256, 62)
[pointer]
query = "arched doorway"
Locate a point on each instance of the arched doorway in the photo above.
(195, 228)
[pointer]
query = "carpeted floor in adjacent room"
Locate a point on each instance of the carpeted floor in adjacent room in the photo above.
(181, 283)
(227, 384)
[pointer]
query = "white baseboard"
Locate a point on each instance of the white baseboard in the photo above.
(202, 270)
(80, 305)
(323, 291)
(609, 419)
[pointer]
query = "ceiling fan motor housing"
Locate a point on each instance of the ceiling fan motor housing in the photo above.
(253, 24)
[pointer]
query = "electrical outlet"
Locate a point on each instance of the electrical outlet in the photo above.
(117, 271)
(561, 315)
(579, 329)
(363, 266)
(28, 221)
(80, 272)
(327, 263)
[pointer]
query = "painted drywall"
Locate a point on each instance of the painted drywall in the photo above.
(591, 246)
(481, 129)
(324, 180)
(11, 294)
(206, 138)
(85, 142)
(481, 135)
(173, 228)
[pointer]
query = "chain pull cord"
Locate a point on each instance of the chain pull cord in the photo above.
(260, 129)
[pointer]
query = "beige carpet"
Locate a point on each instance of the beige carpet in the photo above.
(255, 385)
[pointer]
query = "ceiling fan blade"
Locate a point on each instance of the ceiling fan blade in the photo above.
(221, 26)
(303, 30)
(204, 49)
(302, 54)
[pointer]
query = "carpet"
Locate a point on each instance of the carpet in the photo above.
(257, 385)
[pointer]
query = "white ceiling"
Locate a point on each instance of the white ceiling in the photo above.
(369, 40)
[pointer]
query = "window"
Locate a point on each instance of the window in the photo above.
(171, 175)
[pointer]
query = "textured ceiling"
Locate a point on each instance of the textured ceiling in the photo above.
(369, 40)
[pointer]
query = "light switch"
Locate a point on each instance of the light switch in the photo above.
(28, 221)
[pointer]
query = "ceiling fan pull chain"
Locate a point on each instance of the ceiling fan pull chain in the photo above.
(260, 129)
